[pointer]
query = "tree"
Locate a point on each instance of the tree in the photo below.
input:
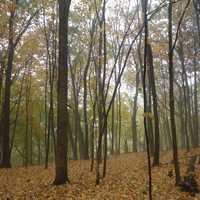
(155, 105)
(62, 111)
(171, 95)
(144, 7)
(134, 113)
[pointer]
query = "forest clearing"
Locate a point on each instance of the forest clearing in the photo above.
(126, 180)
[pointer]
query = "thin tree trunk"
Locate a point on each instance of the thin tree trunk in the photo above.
(144, 6)
(166, 118)
(150, 123)
(171, 95)
(119, 118)
(101, 95)
(28, 87)
(77, 123)
(113, 129)
(104, 100)
(134, 113)
(93, 128)
(183, 120)
(155, 106)
(196, 111)
(86, 156)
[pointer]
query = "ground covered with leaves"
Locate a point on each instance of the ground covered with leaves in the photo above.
(126, 179)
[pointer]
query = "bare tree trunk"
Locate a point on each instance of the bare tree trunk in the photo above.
(46, 129)
(134, 113)
(196, 111)
(31, 139)
(6, 163)
(50, 130)
(86, 156)
(93, 128)
(113, 128)
(155, 106)
(119, 118)
(144, 9)
(104, 99)
(149, 122)
(72, 142)
(46, 140)
(185, 125)
(166, 117)
(28, 87)
(77, 123)
(86, 153)
(101, 95)
(61, 170)
(116, 121)
(196, 5)
(183, 120)
(171, 96)
(2, 69)
(105, 150)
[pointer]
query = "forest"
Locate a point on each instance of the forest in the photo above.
(99, 99)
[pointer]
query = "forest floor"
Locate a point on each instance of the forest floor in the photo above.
(126, 180)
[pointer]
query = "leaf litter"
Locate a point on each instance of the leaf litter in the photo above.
(126, 179)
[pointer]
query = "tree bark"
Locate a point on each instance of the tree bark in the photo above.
(171, 96)
(155, 106)
(86, 156)
(6, 163)
(134, 113)
(144, 9)
(61, 170)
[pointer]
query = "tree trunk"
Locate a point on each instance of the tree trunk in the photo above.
(171, 96)
(86, 156)
(150, 123)
(113, 129)
(61, 170)
(183, 120)
(28, 87)
(101, 95)
(144, 9)
(119, 117)
(6, 163)
(155, 106)
(166, 118)
(134, 113)
(93, 129)
(196, 111)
